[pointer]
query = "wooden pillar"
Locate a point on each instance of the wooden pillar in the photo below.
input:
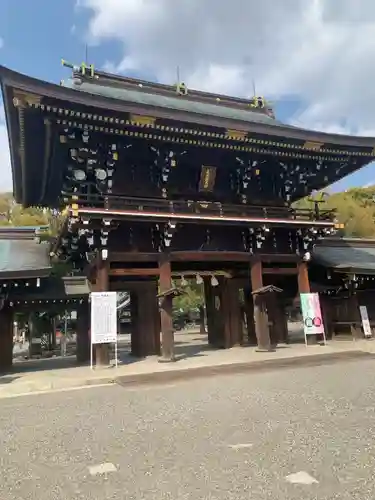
(145, 321)
(83, 337)
(224, 301)
(134, 324)
(303, 278)
(235, 315)
(260, 313)
(33, 333)
(150, 311)
(52, 337)
(202, 323)
(6, 339)
(277, 317)
(210, 310)
(326, 306)
(281, 321)
(167, 333)
(224, 319)
(219, 311)
(249, 313)
(102, 285)
(355, 314)
(271, 313)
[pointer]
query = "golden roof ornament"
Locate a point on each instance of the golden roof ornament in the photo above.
(84, 69)
(258, 102)
(181, 89)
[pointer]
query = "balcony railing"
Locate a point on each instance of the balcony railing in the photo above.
(113, 202)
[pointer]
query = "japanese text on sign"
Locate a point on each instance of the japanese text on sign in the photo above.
(103, 317)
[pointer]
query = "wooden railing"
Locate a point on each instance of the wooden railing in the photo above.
(114, 202)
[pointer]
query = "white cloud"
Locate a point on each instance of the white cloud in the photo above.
(319, 50)
(5, 168)
(1, 42)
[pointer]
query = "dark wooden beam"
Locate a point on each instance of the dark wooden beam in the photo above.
(133, 257)
(83, 338)
(287, 258)
(210, 310)
(142, 271)
(205, 256)
(249, 313)
(145, 327)
(303, 278)
(6, 339)
(58, 307)
(280, 270)
(235, 314)
(260, 314)
(167, 348)
(128, 286)
(202, 256)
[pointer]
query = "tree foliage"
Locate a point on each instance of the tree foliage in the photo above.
(355, 209)
(12, 214)
(192, 297)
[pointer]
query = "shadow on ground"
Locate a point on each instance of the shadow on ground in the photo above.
(7, 379)
(188, 344)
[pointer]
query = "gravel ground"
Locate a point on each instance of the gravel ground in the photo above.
(232, 437)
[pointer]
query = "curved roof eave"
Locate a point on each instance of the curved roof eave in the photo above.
(10, 78)
(15, 161)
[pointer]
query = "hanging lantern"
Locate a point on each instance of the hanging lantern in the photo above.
(214, 281)
(183, 283)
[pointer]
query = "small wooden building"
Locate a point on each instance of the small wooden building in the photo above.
(27, 286)
(24, 265)
(343, 272)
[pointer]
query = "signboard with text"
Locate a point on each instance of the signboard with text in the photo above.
(312, 314)
(103, 317)
(365, 321)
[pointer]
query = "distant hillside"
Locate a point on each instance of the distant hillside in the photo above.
(12, 214)
(355, 208)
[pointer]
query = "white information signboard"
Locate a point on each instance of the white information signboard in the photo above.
(104, 319)
(365, 321)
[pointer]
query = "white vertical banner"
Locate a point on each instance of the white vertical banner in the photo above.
(103, 320)
(365, 321)
(312, 315)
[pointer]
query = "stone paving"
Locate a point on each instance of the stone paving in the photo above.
(192, 354)
(305, 433)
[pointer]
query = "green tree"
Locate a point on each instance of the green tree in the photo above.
(355, 208)
(192, 297)
(12, 214)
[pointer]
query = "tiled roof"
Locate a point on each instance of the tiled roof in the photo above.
(174, 103)
(347, 254)
(21, 232)
(55, 288)
(23, 259)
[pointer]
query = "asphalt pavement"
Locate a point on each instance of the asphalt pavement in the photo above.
(298, 433)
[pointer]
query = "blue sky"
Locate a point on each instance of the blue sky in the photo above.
(37, 34)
